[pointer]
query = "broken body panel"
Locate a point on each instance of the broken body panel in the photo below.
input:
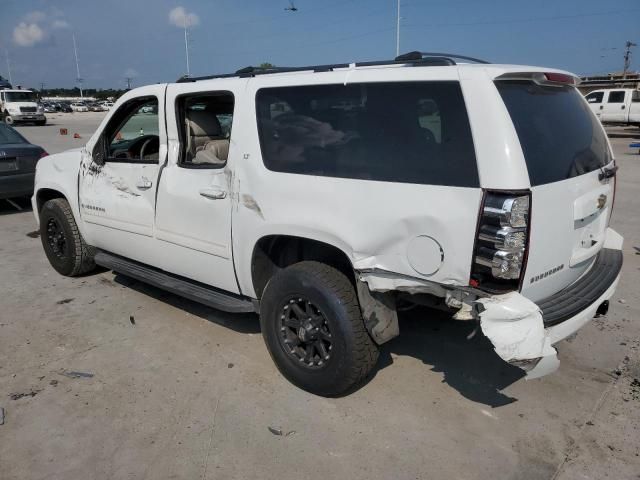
(399, 237)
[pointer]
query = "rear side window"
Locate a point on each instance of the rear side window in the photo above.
(405, 132)
(559, 135)
(616, 97)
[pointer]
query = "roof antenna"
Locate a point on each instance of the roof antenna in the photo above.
(292, 7)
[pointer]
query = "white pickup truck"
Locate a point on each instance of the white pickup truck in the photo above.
(21, 106)
(325, 198)
(620, 106)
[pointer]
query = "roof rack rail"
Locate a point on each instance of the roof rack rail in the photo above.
(412, 58)
(417, 56)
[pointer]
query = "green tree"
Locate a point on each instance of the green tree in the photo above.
(266, 65)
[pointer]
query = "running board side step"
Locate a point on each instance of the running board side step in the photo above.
(198, 292)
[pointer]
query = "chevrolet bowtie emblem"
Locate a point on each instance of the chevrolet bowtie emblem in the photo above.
(602, 201)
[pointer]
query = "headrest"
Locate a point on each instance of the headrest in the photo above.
(204, 124)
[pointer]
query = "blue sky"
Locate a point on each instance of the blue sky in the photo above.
(136, 38)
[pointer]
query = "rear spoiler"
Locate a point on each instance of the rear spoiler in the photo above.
(550, 79)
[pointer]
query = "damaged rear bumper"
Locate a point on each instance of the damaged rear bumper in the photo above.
(523, 333)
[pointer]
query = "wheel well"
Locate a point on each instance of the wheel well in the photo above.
(275, 252)
(46, 194)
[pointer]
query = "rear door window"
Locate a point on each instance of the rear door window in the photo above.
(407, 132)
(616, 96)
(559, 135)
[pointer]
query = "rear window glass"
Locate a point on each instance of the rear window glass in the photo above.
(414, 132)
(9, 135)
(559, 135)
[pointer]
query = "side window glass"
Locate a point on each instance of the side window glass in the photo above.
(132, 135)
(405, 132)
(616, 96)
(205, 129)
(636, 96)
(595, 97)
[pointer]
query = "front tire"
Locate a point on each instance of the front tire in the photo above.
(63, 244)
(314, 331)
(8, 119)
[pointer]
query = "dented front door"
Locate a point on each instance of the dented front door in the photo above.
(119, 175)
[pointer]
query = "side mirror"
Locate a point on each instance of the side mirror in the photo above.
(98, 152)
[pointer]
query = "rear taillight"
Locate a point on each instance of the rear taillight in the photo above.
(501, 244)
(43, 154)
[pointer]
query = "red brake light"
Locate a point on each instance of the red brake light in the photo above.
(43, 154)
(560, 78)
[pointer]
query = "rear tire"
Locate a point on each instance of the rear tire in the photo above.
(314, 330)
(63, 244)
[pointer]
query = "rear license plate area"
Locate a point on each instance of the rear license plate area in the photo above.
(8, 164)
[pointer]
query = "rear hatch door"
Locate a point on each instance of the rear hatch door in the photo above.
(571, 172)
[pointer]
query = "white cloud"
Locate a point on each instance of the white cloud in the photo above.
(59, 24)
(181, 18)
(27, 34)
(35, 17)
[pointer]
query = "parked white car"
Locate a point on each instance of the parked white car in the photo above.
(107, 105)
(621, 105)
(325, 197)
(79, 107)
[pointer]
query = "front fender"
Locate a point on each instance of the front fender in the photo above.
(58, 173)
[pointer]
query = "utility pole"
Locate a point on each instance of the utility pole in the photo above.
(6, 54)
(398, 30)
(186, 45)
(75, 52)
(627, 57)
(128, 80)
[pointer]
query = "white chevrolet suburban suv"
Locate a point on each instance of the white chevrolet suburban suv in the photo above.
(325, 197)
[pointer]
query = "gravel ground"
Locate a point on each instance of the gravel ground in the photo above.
(103, 377)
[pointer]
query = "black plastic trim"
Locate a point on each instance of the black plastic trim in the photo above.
(583, 293)
(196, 291)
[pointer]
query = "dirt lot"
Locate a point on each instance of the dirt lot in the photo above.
(103, 377)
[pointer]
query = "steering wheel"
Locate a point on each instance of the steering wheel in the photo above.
(138, 146)
(144, 145)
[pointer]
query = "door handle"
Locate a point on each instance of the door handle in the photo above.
(144, 184)
(213, 193)
(601, 107)
(622, 107)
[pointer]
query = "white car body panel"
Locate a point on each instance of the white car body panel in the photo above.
(386, 229)
(118, 215)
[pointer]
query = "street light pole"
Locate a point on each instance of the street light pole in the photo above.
(398, 30)
(75, 52)
(186, 46)
(627, 57)
(6, 54)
